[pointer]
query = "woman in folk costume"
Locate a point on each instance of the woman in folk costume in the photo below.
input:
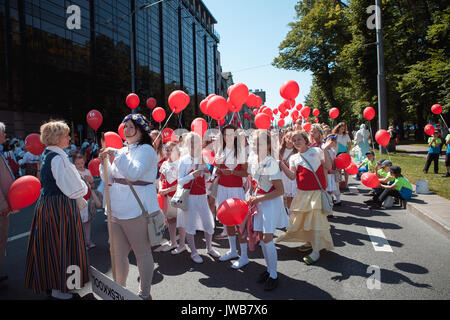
(56, 239)
(286, 151)
(191, 174)
(231, 168)
(136, 163)
(362, 141)
(332, 187)
(167, 186)
(308, 221)
(268, 200)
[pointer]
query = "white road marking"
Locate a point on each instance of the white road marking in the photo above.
(378, 239)
(19, 236)
(353, 189)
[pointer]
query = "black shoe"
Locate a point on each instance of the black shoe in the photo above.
(370, 201)
(338, 203)
(263, 277)
(375, 206)
(330, 216)
(89, 296)
(270, 284)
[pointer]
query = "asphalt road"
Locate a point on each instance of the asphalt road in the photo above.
(411, 259)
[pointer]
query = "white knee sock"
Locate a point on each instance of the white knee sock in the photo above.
(232, 241)
(271, 259)
(244, 250)
(191, 243)
(337, 194)
(264, 251)
(315, 255)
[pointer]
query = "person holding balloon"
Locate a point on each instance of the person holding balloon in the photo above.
(191, 175)
(434, 152)
(367, 164)
(231, 169)
(137, 164)
(268, 200)
(344, 143)
(309, 223)
(7, 179)
(56, 241)
(167, 186)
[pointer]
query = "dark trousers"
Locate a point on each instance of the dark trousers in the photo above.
(387, 192)
(432, 157)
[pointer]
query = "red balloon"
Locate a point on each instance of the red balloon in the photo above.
(369, 113)
(199, 126)
(436, 108)
(94, 119)
(209, 156)
(267, 111)
(382, 137)
(178, 101)
(429, 129)
(34, 145)
(305, 111)
(132, 101)
(369, 179)
(299, 107)
(229, 89)
(352, 169)
(168, 135)
(316, 120)
(307, 126)
(334, 113)
(217, 107)
(343, 160)
(94, 167)
(255, 112)
(23, 192)
(259, 101)
(281, 123)
(159, 114)
(282, 108)
(275, 111)
(289, 89)
(204, 106)
(294, 114)
(113, 140)
(239, 94)
(316, 112)
(232, 211)
(252, 101)
(151, 103)
(233, 108)
(262, 121)
(221, 122)
(160, 201)
(121, 131)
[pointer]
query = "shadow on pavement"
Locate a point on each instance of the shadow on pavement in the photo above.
(342, 237)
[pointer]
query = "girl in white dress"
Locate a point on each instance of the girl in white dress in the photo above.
(269, 202)
(191, 174)
(286, 151)
(231, 168)
(168, 181)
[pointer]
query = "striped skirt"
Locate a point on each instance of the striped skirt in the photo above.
(56, 247)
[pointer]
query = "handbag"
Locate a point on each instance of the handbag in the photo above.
(156, 225)
(327, 201)
(179, 199)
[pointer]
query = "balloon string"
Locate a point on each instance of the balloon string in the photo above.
(443, 120)
(160, 130)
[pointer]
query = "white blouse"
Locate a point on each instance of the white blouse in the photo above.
(66, 175)
(29, 158)
(134, 163)
(169, 170)
(265, 172)
(186, 164)
(315, 157)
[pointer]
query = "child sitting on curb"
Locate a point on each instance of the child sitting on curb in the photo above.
(401, 188)
(368, 164)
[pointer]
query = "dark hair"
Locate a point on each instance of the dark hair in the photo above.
(79, 156)
(145, 137)
(396, 170)
(227, 127)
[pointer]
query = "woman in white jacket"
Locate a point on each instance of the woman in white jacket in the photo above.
(137, 163)
(192, 172)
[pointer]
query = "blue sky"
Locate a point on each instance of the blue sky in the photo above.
(250, 33)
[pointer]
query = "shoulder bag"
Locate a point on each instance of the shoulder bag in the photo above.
(155, 221)
(327, 201)
(180, 198)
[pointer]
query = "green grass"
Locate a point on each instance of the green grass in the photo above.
(412, 169)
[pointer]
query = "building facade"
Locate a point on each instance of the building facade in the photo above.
(119, 46)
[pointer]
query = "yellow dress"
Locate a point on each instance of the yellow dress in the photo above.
(308, 223)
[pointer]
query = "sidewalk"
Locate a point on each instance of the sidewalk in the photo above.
(431, 208)
(417, 151)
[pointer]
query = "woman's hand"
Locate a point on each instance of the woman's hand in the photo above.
(253, 201)
(107, 152)
(197, 173)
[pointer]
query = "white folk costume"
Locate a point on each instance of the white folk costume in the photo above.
(308, 222)
(198, 216)
(290, 186)
(271, 213)
(331, 178)
(169, 178)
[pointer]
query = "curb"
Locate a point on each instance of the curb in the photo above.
(429, 219)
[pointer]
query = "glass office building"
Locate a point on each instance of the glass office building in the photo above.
(50, 68)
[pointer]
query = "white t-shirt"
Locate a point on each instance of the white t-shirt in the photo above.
(313, 155)
(344, 139)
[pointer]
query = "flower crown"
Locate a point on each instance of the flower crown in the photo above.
(140, 120)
